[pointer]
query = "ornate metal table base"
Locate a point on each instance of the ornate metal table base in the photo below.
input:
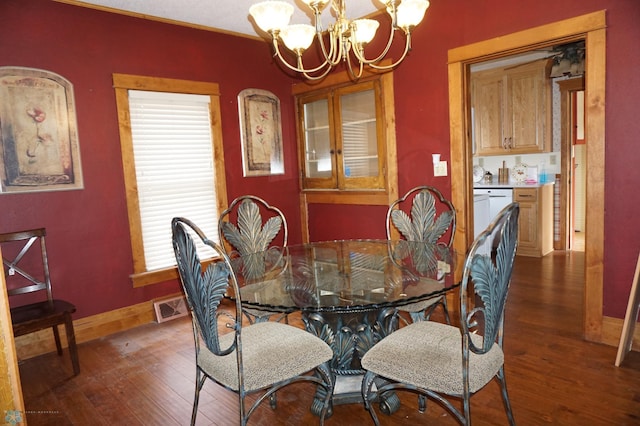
(350, 335)
(348, 292)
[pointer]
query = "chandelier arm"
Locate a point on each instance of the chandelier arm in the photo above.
(353, 75)
(407, 48)
(299, 68)
(360, 54)
(334, 55)
(328, 56)
(316, 77)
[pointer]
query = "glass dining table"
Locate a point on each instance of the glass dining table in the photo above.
(348, 292)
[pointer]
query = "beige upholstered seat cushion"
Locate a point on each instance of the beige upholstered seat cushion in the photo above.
(428, 354)
(271, 352)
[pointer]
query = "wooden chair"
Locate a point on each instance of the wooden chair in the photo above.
(438, 360)
(430, 217)
(248, 236)
(259, 358)
(28, 273)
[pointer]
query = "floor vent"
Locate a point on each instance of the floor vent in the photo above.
(171, 308)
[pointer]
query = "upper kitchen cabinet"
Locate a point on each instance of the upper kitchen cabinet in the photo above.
(511, 109)
(342, 137)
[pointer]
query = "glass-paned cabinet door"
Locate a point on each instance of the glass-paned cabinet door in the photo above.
(359, 134)
(342, 146)
(317, 139)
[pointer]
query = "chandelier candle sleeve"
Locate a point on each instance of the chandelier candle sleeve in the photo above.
(342, 41)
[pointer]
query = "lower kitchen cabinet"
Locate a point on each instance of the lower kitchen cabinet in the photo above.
(535, 228)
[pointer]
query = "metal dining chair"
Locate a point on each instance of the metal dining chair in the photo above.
(438, 360)
(259, 358)
(248, 236)
(431, 219)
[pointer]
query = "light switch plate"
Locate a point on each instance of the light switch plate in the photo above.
(440, 169)
(552, 160)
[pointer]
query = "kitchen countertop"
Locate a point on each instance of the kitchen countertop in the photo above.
(509, 185)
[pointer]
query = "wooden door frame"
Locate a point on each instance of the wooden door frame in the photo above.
(592, 29)
(10, 387)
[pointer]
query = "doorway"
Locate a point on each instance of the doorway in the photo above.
(564, 157)
(578, 202)
(578, 181)
(572, 206)
(591, 29)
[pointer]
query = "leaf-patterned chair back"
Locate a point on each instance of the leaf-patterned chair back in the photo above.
(204, 289)
(431, 215)
(427, 222)
(250, 235)
(486, 279)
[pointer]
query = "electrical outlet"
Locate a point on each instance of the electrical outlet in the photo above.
(518, 159)
(440, 169)
(552, 160)
(481, 162)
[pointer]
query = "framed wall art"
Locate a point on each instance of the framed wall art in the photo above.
(261, 133)
(38, 132)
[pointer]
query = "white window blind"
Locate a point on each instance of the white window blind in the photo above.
(359, 134)
(173, 154)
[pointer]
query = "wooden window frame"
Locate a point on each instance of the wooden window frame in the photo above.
(122, 84)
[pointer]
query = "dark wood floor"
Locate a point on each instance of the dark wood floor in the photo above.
(145, 376)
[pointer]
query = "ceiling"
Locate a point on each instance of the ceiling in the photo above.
(230, 16)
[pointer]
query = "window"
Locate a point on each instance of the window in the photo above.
(170, 137)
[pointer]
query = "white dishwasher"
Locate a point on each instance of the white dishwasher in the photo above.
(499, 198)
(481, 213)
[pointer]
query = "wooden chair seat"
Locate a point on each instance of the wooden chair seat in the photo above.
(36, 316)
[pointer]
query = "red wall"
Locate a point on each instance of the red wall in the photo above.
(89, 236)
(422, 120)
(88, 231)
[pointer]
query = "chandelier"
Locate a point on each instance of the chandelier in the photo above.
(345, 39)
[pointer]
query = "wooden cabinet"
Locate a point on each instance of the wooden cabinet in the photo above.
(535, 224)
(341, 137)
(511, 110)
(346, 143)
